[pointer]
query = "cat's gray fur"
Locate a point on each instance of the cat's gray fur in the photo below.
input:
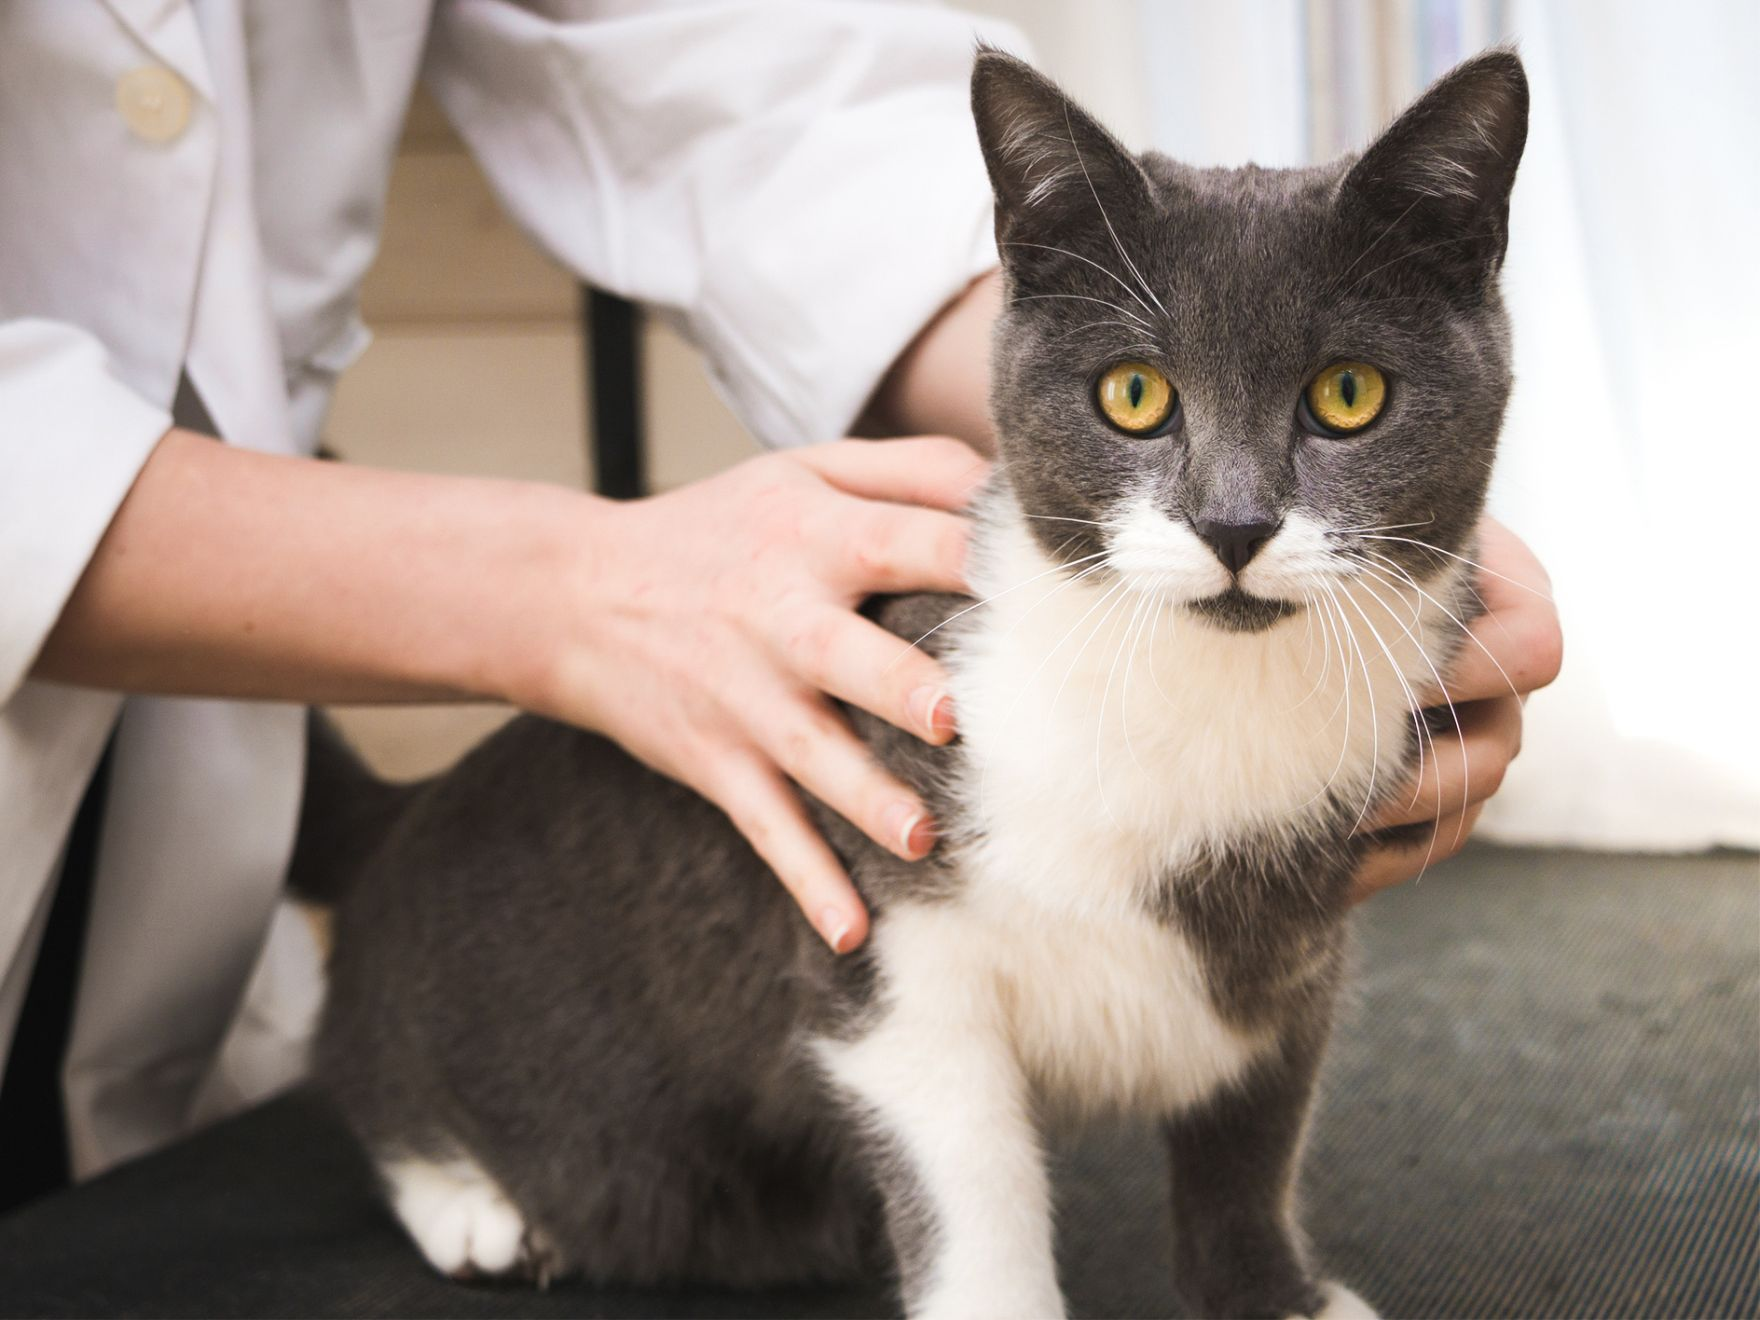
(573, 972)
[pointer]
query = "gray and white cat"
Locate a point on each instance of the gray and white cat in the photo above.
(1246, 423)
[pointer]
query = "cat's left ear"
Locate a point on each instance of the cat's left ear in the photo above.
(1051, 163)
(1441, 175)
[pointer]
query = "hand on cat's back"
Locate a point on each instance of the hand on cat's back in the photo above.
(1514, 648)
(705, 629)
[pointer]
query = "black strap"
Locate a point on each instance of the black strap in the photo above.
(33, 1126)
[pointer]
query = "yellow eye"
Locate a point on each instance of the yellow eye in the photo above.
(1135, 397)
(1347, 396)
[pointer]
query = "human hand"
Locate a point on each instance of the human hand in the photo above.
(1515, 648)
(705, 627)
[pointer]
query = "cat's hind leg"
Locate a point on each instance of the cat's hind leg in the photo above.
(460, 1218)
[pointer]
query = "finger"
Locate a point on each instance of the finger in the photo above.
(840, 652)
(771, 817)
(816, 749)
(1458, 769)
(1394, 864)
(872, 547)
(1516, 644)
(935, 471)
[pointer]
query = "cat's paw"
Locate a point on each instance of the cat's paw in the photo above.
(461, 1220)
(1340, 1303)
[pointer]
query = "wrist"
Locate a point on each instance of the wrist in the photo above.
(538, 599)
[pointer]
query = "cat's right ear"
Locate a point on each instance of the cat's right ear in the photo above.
(1439, 179)
(1051, 163)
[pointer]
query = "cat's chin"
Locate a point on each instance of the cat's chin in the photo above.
(1235, 611)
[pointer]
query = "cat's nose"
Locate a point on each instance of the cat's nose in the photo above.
(1235, 543)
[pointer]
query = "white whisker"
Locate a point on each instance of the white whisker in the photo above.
(1105, 219)
(1096, 265)
(1463, 559)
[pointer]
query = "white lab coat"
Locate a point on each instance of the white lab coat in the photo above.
(196, 185)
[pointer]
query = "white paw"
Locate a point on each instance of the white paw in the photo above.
(1340, 1303)
(458, 1216)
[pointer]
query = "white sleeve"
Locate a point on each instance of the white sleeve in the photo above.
(72, 439)
(795, 183)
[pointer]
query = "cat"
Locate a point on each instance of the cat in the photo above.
(1246, 420)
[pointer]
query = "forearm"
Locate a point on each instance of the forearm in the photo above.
(940, 384)
(236, 574)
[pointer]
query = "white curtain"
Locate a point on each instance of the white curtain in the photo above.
(1630, 456)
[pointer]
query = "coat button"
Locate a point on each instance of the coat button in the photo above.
(154, 102)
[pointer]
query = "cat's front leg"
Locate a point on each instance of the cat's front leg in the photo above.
(1237, 1248)
(941, 1097)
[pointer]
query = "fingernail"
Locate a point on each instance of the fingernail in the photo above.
(834, 928)
(912, 829)
(932, 708)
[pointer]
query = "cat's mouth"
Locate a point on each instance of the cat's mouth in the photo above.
(1236, 611)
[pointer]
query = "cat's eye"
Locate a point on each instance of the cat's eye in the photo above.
(1135, 398)
(1346, 397)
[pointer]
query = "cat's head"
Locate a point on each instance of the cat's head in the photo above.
(1231, 384)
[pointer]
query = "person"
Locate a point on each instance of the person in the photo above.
(191, 193)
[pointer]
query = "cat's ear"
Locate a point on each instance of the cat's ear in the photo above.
(1050, 161)
(1439, 179)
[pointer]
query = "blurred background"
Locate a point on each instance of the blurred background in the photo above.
(1629, 461)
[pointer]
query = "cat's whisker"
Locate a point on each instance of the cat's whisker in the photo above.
(1330, 620)
(1447, 698)
(1412, 704)
(1161, 609)
(1374, 721)
(1424, 727)
(1310, 608)
(1096, 265)
(1078, 297)
(1382, 527)
(1112, 594)
(1056, 591)
(1339, 279)
(1420, 251)
(1436, 549)
(1027, 683)
(1120, 648)
(1465, 631)
(1106, 219)
(1468, 585)
(1050, 517)
(1055, 568)
(1095, 325)
(1139, 625)
(1430, 849)
(1307, 631)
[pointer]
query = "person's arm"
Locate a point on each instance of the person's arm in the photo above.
(698, 628)
(940, 384)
